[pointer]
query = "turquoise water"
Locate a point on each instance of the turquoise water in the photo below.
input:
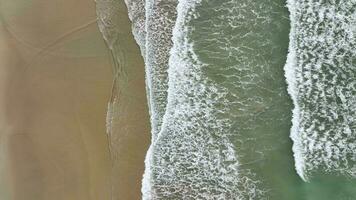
(221, 114)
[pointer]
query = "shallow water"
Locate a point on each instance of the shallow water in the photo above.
(127, 118)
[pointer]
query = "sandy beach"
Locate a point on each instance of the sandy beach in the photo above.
(55, 83)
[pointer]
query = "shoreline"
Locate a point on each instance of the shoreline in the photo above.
(128, 119)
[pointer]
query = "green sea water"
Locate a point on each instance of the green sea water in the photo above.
(245, 46)
(226, 129)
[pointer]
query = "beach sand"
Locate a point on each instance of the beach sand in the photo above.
(55, 83)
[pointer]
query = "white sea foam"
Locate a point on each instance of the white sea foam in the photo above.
(160, 19)
(321, 73)
(192, 157)
(136, 12)
(290, 73)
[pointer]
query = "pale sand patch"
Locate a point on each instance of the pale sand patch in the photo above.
(55, 82)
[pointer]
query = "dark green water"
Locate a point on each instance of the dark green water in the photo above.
(245, 44)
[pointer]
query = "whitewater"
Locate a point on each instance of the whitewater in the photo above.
(322, 82)
(205, 142)
(179, 154)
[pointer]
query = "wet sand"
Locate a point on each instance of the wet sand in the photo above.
(55, 82)
(129, 130)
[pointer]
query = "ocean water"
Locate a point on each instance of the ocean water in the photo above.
(218, 74)
(322, 64)
(228, 113)
(321, 73)
(160, 19)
